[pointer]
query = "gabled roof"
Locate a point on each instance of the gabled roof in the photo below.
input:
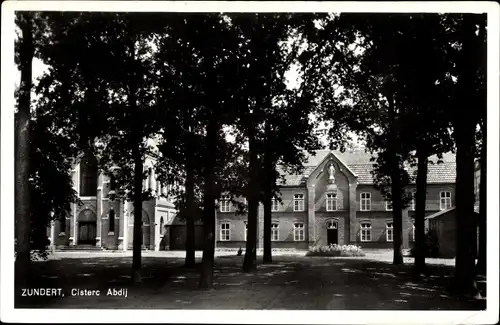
(358, 161)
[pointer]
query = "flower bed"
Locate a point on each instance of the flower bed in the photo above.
(336, 250)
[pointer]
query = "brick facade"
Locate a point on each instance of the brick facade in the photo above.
(351, 177)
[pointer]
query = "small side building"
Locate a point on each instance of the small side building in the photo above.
(443, 225)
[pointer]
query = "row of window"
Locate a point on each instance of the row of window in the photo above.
(366, 232)
(298, 232)
(331, 202)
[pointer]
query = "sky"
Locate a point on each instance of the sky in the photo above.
(292, 79)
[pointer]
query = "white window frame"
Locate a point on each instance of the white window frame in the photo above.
(275, 205)
(413, 232)
(389, 230)
(299, 232)
(246, 231)
(413, 201)
(365, 197)
(225, 230)
(298, 202)
(444, 200)
(225, 204)
(388, 205)
(275, 231)
(366, 230)
(330, 224)
(331, 202)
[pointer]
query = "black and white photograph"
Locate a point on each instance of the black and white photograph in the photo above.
(250, 162)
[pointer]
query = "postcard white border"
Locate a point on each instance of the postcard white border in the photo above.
(9, 314)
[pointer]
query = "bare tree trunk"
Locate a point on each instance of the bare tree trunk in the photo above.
(422, 156)
(189, 209)
(268, 196)
(465, 281)
(137, 242)
(249, 262)
(481, 259)
(207, 264)
(22, 153)
(396, 188)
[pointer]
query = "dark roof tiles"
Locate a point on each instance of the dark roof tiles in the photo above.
(358, 161)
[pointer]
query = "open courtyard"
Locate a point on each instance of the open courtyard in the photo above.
(293, 281)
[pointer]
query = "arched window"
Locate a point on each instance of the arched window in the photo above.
(162, 225)
(150, 178)
(111, 220)
(88, 175)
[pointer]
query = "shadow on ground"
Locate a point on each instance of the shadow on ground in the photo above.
(291, 282)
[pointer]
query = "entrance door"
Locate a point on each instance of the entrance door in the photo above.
(332, 233)
(87, 233)
(332, 236)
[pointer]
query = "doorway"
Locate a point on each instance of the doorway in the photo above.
(87, 232)
(332, 233)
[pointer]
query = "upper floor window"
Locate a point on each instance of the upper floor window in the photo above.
(275, 205)
(389, 231)
(445, 200)
(413, 200)
(366, 201)
(225, 204)
(366, 231)
(388, 205)
(331, 202)
(298, 232)
(225, 232)
(150, 178)
(298, 202)
(275, 233)
(88, 176)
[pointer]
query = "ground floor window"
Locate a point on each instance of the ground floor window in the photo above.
(366, 232)
(389, 232)
(298, 232)
(275, 234)
(225, 233)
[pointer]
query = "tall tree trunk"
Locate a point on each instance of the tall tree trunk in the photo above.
(465, 280)
(22, 153)
(207, 264)
(137, 242)
(249, 262)
(396, 188)
(422, 156)
(189, 210)
(268, 196)
(481, 259)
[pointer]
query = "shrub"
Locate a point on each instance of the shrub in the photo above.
(335, 250)
(431, 245)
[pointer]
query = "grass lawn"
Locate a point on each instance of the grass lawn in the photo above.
(291, 282)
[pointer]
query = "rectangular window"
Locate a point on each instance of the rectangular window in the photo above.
(298, 202)
(331, 202)
(298, 232)
(366, 201)
(225, 232)
(366, 232)
(275, 234)
(389, 232)
(225, 204)
(246, 231)
(275, 205)
(413, 232)
(388, 205)
(445, 201)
